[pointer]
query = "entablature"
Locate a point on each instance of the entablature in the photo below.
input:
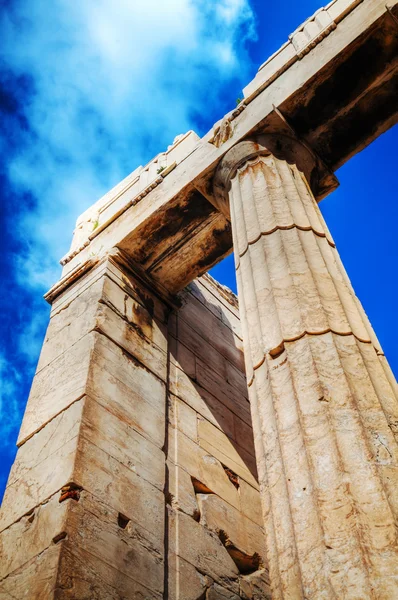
(336, 97)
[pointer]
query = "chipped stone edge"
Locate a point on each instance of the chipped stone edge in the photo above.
(227, 294)
(70, 278)
(295, 55)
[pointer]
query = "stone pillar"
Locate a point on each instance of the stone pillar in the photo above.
(83, 514)
(324, 409)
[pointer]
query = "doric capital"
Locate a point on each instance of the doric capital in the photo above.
(282, 147)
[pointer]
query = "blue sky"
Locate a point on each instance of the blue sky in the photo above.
(90, 90)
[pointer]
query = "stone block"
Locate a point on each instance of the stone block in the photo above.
(140, 317)
(62, 371)
(176, 269)
(228, 452)
(200, 347)
(83, 576)
(255, 586)
(202, 549)
(35, 579)
(204, 467)
(132, 286)
(183, 417)
(217, 515)
(36, 473)
(127, 389)
(236, 378)
(97, 559)
(235, 400)
(100, 546)
(54, 436)
(184, 581)
(123, 443)
(121, 489)
(244, 436)
(93, 469)
(212, 330)
(69, 325)
(130, 338)
(274, 66)
(202, 401)
(250, 502)
(213, 357)
(56, 386)
(216, 592)
(31, 535)
(218, 300)
(39, 483)
(172, 323)
(182, 357)
(77, 287)
(182, 492)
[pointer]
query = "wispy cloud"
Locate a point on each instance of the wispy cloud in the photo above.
(9, 408)
(110, 84)
(91, 90)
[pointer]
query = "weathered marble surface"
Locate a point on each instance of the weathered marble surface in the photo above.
(324, 411)
(137, 421)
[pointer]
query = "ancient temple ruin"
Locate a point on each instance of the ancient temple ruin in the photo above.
(181, 443)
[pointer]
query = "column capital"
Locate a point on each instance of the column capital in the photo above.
(319, 177)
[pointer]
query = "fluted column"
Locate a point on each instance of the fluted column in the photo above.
(324, 407)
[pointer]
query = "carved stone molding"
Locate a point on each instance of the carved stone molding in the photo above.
(69, 279)
(312, 32)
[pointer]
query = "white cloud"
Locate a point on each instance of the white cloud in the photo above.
(113, 82)
(10, 409)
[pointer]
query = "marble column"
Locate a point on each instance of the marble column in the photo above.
(323, 401)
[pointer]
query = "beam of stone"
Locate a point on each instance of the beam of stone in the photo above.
(324, 410)
(334, 83)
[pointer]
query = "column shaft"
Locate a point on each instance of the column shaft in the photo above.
(324, 408)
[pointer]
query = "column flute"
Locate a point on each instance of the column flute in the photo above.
(323, 400)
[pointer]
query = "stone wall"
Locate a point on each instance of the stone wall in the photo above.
(135, 475)
(216, 539)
